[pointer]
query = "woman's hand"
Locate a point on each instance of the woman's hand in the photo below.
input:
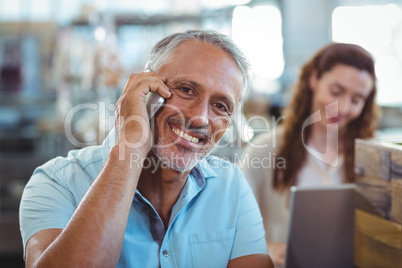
(277, 252)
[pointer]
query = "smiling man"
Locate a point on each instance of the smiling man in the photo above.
(98, 208)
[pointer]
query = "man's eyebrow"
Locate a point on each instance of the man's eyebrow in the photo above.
(181, 82)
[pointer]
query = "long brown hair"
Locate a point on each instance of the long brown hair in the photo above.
(364, 126)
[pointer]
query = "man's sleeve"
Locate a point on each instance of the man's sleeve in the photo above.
(250, 234)
(45, 204)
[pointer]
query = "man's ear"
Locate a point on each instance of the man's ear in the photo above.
(312, 81)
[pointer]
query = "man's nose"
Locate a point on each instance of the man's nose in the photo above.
(198, 114)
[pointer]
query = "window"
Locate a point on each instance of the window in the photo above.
(10, 10)
(379, 30)
(258, 32)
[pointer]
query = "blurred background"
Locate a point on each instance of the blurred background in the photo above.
(63, 65)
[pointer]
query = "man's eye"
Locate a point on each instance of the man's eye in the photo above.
(186, 90)
(221, 107)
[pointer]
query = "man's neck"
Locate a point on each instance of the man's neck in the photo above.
(161, 186)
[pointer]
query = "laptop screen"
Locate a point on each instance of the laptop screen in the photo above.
(321, 227)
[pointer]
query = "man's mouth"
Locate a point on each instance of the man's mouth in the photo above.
(185, 136)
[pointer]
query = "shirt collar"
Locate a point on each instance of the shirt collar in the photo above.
(205, 169)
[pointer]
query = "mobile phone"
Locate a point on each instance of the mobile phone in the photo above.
(153, 103)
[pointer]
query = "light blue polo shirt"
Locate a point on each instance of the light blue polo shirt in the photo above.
(215, 219)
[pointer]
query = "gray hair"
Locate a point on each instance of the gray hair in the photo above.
(162, 52)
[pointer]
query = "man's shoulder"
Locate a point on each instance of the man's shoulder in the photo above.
(88, 160)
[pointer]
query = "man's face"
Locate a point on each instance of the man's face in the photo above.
(206, 86)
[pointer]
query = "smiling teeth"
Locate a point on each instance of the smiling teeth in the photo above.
(185, 136)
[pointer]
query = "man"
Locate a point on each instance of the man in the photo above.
(131, 204)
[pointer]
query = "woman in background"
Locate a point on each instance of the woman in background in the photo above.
(333, 104)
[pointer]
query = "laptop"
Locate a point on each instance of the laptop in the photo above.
(321, 227)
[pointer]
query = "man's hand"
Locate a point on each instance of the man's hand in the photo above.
(132, 121)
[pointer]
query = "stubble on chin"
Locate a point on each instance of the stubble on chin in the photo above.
(179, 159)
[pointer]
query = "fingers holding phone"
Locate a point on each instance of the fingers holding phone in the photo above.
(153, 103)
(132, 114)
